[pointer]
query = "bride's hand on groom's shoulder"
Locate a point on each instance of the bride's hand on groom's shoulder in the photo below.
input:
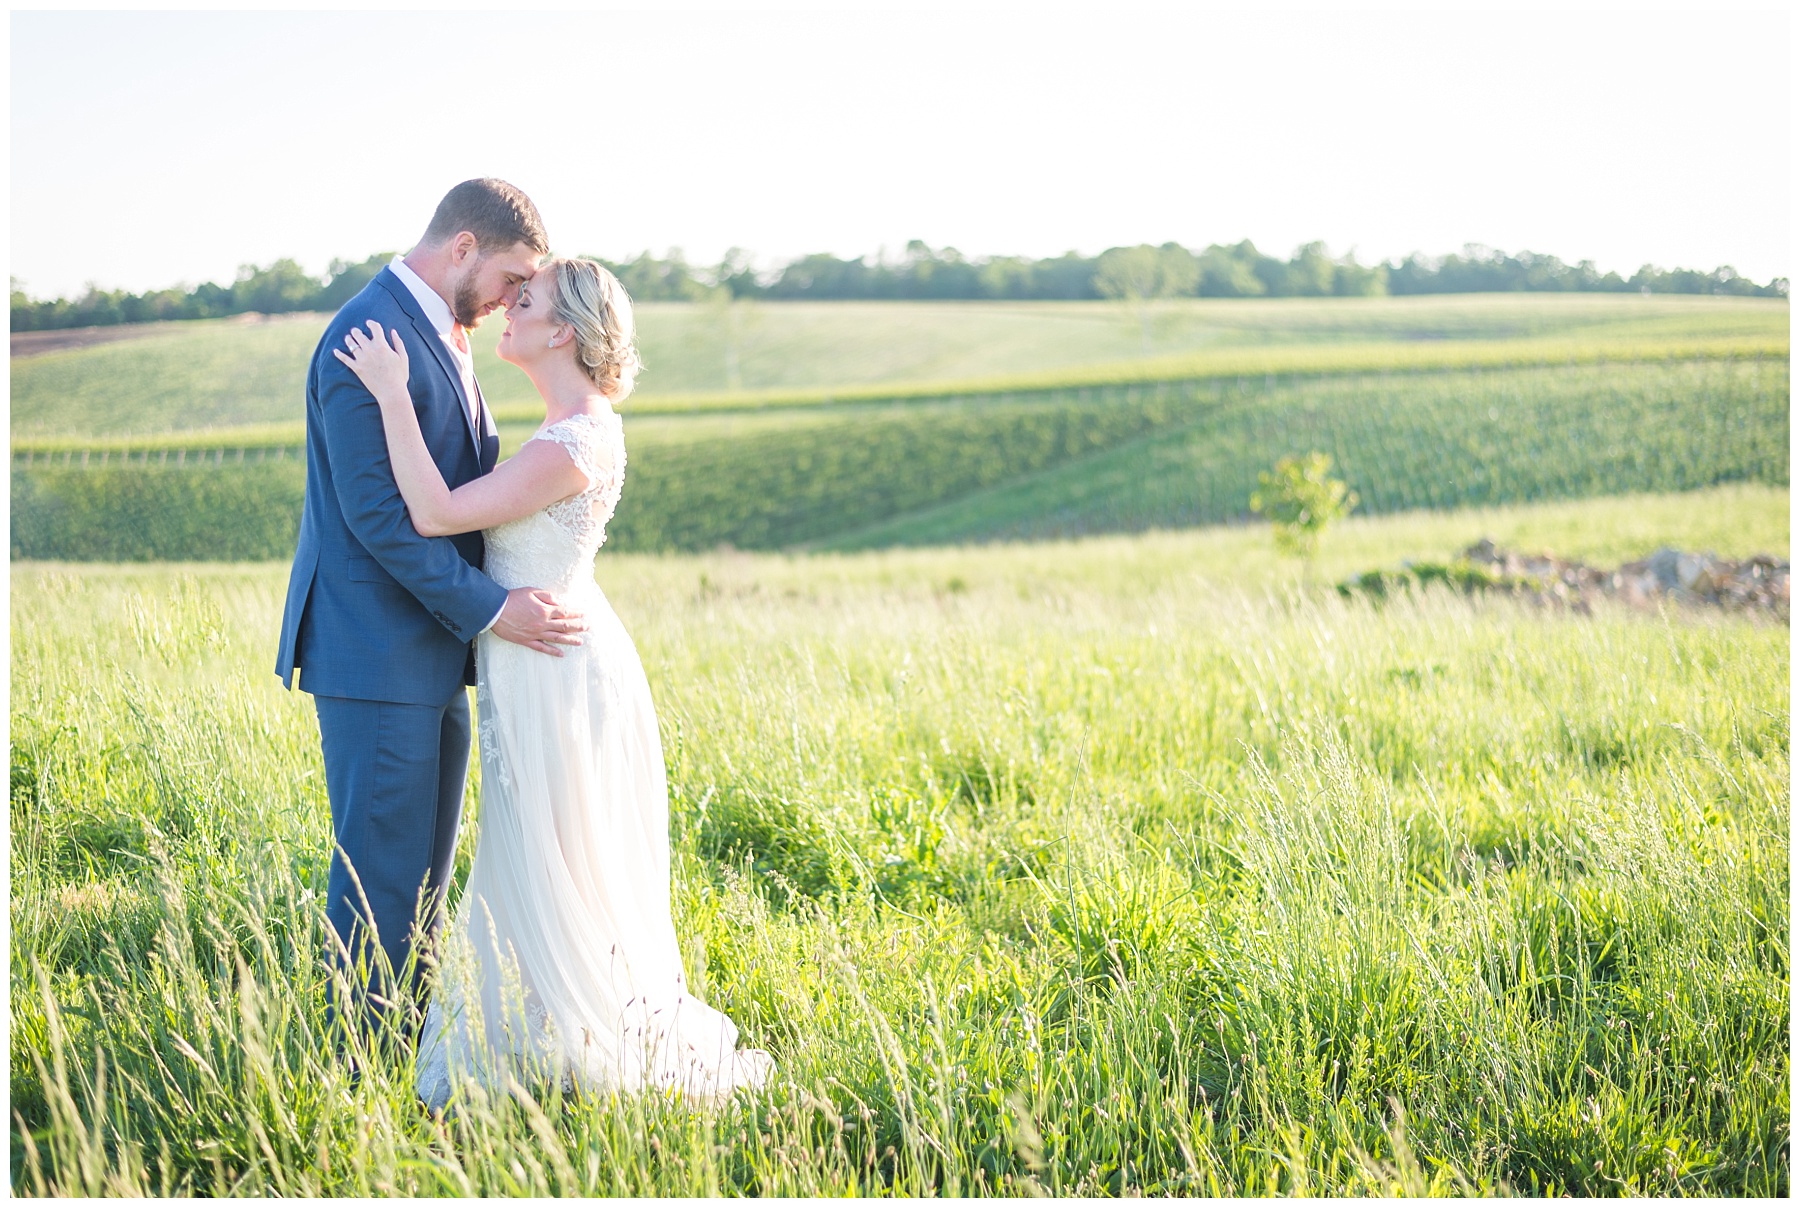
(378, 358)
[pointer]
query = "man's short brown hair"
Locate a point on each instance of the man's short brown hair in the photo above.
(496, 213)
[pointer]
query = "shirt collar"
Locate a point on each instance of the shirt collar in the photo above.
(435, 308)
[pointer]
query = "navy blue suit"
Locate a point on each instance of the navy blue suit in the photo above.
(380, 623)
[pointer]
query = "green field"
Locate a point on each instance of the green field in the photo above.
(1119, 457)
(923, 423)
(1109, 866)
(1120, 861)
(1403, 442)
(210, 375)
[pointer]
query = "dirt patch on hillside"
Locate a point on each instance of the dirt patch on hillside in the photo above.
(36, 343)
(1758, 584)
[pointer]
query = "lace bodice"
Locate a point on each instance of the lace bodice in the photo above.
(554, 548)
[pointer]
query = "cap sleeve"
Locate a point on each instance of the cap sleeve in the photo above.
(591, 443)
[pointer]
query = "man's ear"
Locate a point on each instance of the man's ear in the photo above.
(462, 247)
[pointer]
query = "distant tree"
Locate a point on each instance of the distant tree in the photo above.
(1181, 271)
(346, 280)
(648, 279)
(97, 307)
(1008, 277)
(821, 275)
(1226, 272)
(735, 313)
(1591, 279)
(1311, 273)
(736, 274)
(1067, 276)
(209, 301)
(1277, 279)
(1300, 498)
(1723, 280)
(1140, 276)
(943, 273)
(279, 289)
(1414, 275)
(158, 305)
(1353, 280)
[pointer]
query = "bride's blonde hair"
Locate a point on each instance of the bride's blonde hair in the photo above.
(591, 300)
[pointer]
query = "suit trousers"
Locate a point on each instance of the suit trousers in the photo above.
(395, 775)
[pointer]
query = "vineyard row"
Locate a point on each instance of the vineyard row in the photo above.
(1267, 369)
(1082, 462)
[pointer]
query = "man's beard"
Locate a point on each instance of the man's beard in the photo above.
(465, 308)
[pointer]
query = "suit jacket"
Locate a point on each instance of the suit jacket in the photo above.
(374, 610)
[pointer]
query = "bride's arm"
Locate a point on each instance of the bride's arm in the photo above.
(538, 475)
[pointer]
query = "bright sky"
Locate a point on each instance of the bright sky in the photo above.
(155, 148)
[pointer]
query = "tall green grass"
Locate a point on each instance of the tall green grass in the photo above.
(1097, 867)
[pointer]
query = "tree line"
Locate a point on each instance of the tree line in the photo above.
(1237, 270)
(281, 288)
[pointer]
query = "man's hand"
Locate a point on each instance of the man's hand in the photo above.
(534, 619)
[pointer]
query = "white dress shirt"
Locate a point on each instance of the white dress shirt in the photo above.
(438, 311)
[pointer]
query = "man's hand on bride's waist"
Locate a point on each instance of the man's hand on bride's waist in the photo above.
(537, 619)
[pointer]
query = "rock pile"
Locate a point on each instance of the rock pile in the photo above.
(1757, 584)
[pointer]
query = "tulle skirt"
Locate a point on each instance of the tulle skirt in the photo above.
(561, 961)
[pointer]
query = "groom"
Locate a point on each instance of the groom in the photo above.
(380, 622)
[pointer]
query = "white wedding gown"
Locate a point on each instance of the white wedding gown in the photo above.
(561, 962)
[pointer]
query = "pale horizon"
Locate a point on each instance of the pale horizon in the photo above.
(249, 137)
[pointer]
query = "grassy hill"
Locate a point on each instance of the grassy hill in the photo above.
(194, 377)
(1511, 399)
(1438, 440)
(1081, 460)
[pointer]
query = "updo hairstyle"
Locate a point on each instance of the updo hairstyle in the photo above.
(591, 300)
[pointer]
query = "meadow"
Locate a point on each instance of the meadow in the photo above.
(1115, 865)
(1052, 840)
(221, 374)
(874, 424)
(1053, 462)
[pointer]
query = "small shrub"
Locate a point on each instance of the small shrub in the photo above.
(1300, 499)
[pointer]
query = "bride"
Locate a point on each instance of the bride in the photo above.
(562, 961)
